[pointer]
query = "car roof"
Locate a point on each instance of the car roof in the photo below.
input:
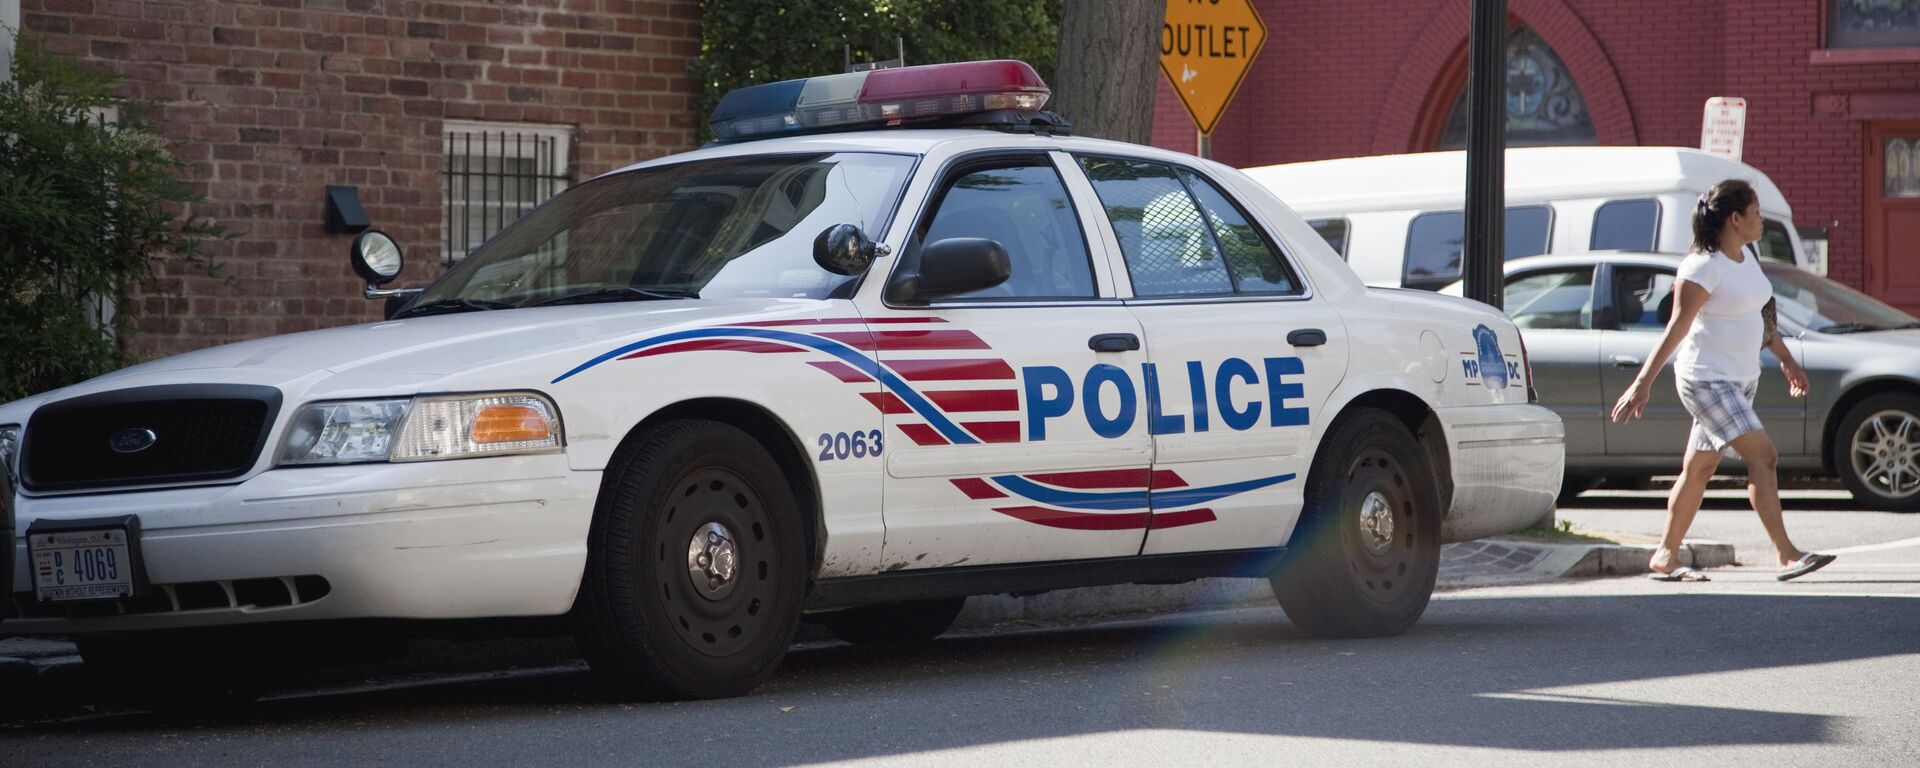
(1437, 180)
(922, 141)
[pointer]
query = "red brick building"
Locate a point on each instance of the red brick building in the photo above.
(1833, 88)
(447, 118)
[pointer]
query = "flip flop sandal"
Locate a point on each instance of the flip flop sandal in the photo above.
(1683, 573)
(1808, 563)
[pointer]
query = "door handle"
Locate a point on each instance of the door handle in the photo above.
(1625, 361)
(1114, 342)
(1307, 337)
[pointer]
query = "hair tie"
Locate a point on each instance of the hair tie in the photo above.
(1703, 202)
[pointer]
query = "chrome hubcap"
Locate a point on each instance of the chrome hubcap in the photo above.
(1886, 453)
(712, 560)
(1376, 520)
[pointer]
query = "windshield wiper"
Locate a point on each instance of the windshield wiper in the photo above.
(1851, 328)
(623, 293)
(450, 306)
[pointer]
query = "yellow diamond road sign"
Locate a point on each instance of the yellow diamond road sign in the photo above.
(1206, 47)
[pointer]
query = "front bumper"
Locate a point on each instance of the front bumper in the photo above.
(1507, 462)
(473, 538)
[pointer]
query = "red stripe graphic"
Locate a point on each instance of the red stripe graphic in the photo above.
(709, 345)
(1077, 521)
(1165, 478)
(841, 371)
(898, 341)
(975, 400)
(951, 370)
(886, 402)
(1163, 520)
(1100, 479)
(994, 431)
(922, 434)
(976, 488)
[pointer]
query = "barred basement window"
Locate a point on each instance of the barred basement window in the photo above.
(495, 172)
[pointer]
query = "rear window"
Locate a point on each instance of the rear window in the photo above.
(1434, 243)
(1626, 225)
(1334, 231)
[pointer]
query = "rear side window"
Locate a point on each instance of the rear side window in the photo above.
(1625, 225)
(1168, 248)
(1253, 263)
(1435, 242)
(1334, 231)
(1774, 243)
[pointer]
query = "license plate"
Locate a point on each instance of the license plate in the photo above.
(85, 559)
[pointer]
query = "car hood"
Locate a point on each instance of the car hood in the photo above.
(396, 355)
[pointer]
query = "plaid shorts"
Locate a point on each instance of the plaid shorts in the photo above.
(1721, 410)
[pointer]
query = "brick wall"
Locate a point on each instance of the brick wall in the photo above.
(1332, 75)
(273, 100)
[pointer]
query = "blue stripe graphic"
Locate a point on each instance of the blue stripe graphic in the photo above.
(1109, 501)
(846, 354)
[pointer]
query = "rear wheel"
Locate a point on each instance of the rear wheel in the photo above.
(1363, 559)
(696, 565)
(1876, 450)
(909, 623)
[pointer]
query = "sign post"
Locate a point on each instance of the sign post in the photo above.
(1724, 130)
(1206, 48)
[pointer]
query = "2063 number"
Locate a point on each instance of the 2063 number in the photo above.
(841, 446)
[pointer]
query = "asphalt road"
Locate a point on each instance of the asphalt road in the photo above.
(1743, 670)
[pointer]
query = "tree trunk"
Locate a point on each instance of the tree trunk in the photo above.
(1109, 68)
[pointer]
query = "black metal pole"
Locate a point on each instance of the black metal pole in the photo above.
(1486, 152)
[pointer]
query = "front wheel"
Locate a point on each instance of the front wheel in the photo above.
(1876, 450)
(1364, 556)
(696, 565)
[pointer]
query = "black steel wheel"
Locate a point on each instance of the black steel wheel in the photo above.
(910, 623)
(1365, 554)
(1876, 450)
(696, 565)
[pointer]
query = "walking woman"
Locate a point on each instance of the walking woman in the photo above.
(1718, 330)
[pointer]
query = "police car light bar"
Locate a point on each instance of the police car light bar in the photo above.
(877, 98)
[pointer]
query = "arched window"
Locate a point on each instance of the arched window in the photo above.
(1543, 103)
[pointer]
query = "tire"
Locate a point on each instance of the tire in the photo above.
(189, 670)
(1881, 431)
(646, 623)
(1338, 578)
(1571, 486)
(885, 624)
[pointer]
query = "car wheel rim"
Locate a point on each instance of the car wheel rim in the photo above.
(1886, 454)
(715, 562)
(1383, 529)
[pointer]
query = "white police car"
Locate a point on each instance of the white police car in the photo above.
(807, 369)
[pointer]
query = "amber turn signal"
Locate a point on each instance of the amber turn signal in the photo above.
(509, 424)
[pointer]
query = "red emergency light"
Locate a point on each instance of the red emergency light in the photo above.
(878, 99)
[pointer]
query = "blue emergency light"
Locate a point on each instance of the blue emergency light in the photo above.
(882, 98)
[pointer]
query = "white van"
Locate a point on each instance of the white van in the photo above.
(1398, 219)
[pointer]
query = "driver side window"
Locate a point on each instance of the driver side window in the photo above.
(1023, 205)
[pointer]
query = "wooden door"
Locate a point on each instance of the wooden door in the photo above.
(1893, 213)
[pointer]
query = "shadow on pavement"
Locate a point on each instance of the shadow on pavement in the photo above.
(1463, 677)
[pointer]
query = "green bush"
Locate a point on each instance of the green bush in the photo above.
(744, 42)
(90, 201)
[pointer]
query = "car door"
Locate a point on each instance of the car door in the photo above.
(1553, 308)
(1013, 422)
(1642, 299)
(1230, 400)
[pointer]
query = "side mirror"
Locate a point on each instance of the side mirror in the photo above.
(376, 257)
(958, 265)
(845, 250)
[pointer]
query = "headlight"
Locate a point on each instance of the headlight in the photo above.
(459, 426)
(343, 432)
(9, 446)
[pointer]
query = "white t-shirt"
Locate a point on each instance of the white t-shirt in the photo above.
(1724, 342)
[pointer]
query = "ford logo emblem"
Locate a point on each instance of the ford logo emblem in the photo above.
(132, 440)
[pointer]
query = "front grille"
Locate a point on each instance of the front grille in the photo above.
(272, 592)
(147, 436)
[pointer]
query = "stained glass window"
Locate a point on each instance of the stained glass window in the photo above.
(1873, 23)
(1544, 106)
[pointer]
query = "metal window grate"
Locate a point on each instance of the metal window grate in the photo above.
(494, 177)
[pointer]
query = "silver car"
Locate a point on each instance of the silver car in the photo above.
(1590, 319)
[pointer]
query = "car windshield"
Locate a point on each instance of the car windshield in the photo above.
(1818, 304)
(726, 228)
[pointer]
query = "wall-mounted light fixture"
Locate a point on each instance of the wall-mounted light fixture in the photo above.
(344, 213)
